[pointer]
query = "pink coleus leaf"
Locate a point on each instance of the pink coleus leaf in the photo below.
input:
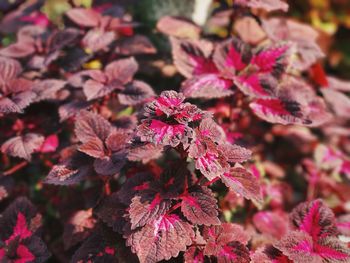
(145, 152)
(243, 183)
(208, 86)
(178, 27)
(193, 255)
(233, 252)
(268, 5)
(272, 59)
(304, 36)
(168, 103)
(50, 144)
(17, 221)
(226, 233)
(199, 206)
(9, 69)
(23, 146)
(300, 247)
(97, 39)
(192, 57)
(217, 237)
(314, 218)
(339, 102)
(84, 17)
(232, 56)
(271, 223)
(143, 212)
(161, 133)
(235, 153)
(343, 224)
(162, 239)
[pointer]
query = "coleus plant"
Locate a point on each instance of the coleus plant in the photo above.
(209, 170)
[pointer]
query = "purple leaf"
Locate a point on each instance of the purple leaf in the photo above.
(135, 93)
(162, 239)
(145, 152)
(314, 218)
(90, 125)
(199, 207)
(143, 212)
(135, 45)
(243, 183)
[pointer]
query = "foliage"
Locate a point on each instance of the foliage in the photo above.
(225, 142)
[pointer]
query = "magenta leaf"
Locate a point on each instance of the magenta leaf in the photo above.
(162, 239)
(232, 56)
(300, 247)
(23, 146)
(192, 57)
(271, 223)
(50, 144)
(208, 86)
(314, 218)
(243, 183)
(143, 212)
(144, 152)
(199, 207)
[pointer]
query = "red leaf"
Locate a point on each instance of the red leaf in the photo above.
(271, 223)
(243, 183)
(199, 207)
(162, 239)
(314, 218)
(122, 70)
(192, 57)
(143, 212)
(207, 86)
(145, 152)
(50, 144)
